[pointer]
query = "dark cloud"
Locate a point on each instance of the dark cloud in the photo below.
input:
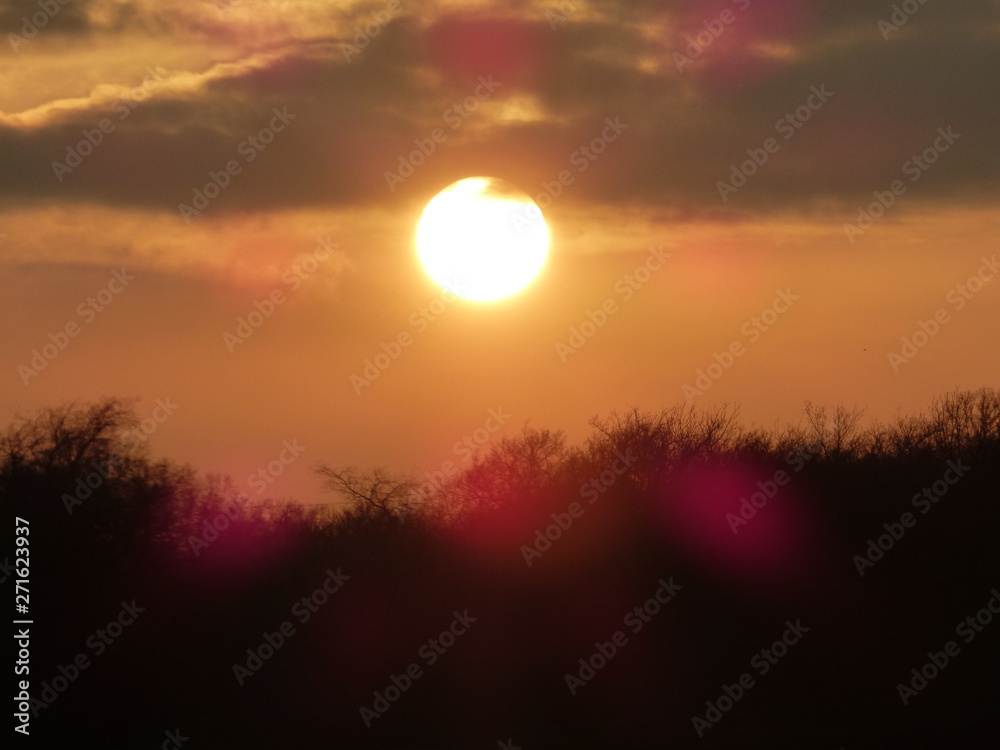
(358, 114)
(28, 18)
(70, 18)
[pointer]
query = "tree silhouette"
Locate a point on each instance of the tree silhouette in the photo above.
(415, 557)
(374, 493)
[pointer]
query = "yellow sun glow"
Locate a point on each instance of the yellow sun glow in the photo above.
(482, 238)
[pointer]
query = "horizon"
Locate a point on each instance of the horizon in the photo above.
(480, 445)
(158, 205)
(556, 569)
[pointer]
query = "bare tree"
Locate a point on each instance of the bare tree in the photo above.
(517, 468)
(374, 493)
(839, 434)
(964, 420)
(660, 442)
(76, 463)
(68, 437)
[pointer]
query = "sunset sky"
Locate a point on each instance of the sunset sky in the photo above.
(714, 175)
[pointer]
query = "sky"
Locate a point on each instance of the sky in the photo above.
(210, 207)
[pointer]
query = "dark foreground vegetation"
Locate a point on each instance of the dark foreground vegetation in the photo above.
(621, 594)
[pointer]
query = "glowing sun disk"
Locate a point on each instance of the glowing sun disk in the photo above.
(482, 238)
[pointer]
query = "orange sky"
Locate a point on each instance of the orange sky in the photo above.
(176, 93)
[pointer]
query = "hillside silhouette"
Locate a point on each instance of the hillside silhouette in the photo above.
(669, 551)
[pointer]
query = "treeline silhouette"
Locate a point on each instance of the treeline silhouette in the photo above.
(546, 548)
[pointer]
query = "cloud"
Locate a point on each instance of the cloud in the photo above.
(27, 18)
(359, 110)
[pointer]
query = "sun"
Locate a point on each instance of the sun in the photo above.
(482, 238)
